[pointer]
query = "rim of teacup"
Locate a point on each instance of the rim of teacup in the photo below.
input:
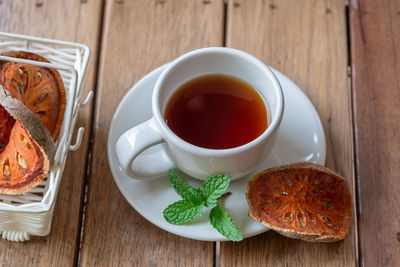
(169, 135)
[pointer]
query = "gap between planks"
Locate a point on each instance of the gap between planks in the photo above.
(90, 145)
(356, 182)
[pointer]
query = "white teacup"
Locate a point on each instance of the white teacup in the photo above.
(196, 161)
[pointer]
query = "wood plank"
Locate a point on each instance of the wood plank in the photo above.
(139, 36)
(306, 40)
(77, 21)
(375, 39)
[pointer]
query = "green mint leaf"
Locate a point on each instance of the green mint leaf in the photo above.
(222, 221)
(184, 189)
(182, 211)
(213, 188)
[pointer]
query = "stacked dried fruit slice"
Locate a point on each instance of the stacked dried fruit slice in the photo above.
(32, 103)
(304, 200)
(40, 89)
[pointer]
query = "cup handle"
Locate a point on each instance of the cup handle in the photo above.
(133, 142)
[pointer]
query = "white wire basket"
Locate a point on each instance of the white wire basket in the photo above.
(22, 216)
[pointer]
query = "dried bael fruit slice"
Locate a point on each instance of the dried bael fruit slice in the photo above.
(26, 147)
(303, 200)
(40, 89)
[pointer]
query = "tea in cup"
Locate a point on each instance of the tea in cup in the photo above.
(215, 110)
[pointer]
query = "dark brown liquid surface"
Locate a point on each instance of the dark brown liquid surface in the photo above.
(216, 112)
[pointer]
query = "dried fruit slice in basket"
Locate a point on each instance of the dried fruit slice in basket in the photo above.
(303, 200)
(40, 89)
(26, 147)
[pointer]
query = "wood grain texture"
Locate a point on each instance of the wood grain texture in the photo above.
(139, 36)
(306, 40)
(375, 42)
(77, 21)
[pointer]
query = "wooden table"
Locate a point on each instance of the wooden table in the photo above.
(344, 55)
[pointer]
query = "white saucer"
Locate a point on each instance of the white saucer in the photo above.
(300, 138)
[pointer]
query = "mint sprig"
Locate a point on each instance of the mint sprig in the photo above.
(193, 200)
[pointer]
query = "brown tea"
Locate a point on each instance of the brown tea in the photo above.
(216, 112)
